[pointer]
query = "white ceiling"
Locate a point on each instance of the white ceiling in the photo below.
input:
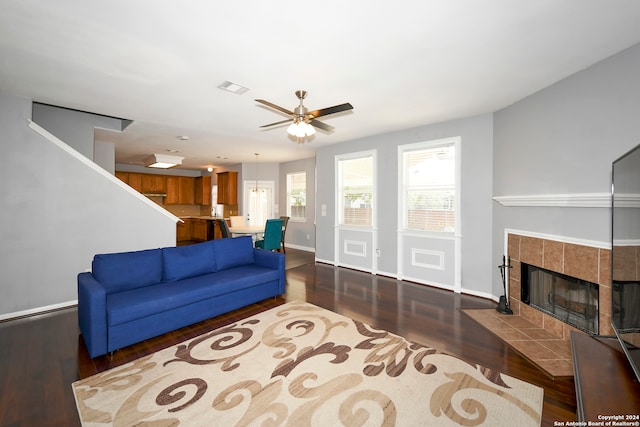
(401, 64)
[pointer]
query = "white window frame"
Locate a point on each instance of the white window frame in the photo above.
(402, 195)
(288, 205)
(338, 189)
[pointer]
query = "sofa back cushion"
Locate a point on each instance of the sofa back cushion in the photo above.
(128, 270)
(181, 262)
(233, 252)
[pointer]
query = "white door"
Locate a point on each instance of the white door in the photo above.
(258, 201)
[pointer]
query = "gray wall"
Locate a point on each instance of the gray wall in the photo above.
(76, 128)
(562, 140)
(57, 212)
(300, 235)
(476, 191)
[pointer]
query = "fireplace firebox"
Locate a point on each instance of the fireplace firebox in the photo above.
(572, 300)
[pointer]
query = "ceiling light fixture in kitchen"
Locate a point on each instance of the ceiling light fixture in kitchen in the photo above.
(163, 161)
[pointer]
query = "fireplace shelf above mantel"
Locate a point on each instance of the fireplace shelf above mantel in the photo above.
(582, 200)
(574, 200)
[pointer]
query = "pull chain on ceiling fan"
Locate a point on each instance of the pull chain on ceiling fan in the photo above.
(304, 122)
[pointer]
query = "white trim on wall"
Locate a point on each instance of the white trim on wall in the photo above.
(577, 200)
(38, 310)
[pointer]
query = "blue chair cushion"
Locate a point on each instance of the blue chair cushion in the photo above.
(181, 262)
(233, 252)
(128, 270)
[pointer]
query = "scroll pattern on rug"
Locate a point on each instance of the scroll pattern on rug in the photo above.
(301, 365)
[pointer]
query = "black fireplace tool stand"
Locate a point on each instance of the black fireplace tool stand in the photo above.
(503, 303)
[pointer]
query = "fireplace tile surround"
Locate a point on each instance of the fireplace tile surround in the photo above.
(588, 263)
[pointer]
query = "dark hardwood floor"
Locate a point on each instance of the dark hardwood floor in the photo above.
(41, 356)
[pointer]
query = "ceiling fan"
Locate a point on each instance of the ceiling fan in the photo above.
(304, 120)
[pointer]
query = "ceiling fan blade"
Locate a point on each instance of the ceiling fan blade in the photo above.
(331, 110)
(274, 106)
(320, 125)
(277, 123)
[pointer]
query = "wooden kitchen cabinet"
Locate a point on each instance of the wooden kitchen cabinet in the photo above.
(183, 231)
(227, 188)
(192, 230)
(132, 179)
(122, 176)
(173, 191)
(203, 190)
(180, 190)
(135, 181)
(199, 230)
(186, 186)
(153, 184)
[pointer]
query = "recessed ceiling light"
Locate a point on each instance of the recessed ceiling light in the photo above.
(233, 87)
(183, 138)
(169, 150)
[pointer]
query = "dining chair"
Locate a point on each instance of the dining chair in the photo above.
(238, 221)
(285, 221)
(272, 235)
(224, 228)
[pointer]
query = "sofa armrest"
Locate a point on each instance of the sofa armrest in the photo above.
(92, 314)
(273, 260)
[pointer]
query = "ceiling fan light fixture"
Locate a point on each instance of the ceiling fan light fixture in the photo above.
(301, 129)
(163, 161)
(310, 129)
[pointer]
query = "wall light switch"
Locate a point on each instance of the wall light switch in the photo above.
(324, 210)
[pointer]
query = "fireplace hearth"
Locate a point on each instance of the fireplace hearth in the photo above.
(569, 299)
(585, 262)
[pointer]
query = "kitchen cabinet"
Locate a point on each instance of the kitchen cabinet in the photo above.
(180, 190)
(203, 190)
(153, 184)
(122, 176)
(134, 180)
(192, 230)
(183, 231)
(227, 188)
(199, 230)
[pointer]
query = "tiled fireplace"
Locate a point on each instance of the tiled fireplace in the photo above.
(588, 263)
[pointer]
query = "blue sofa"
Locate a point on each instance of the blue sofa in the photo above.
(132, 296)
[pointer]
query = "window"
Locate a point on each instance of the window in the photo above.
(355, 191)
(429, 186)
(297, 196)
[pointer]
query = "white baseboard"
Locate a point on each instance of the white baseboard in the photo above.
(37, 310)
(301, 248)
(480, 294)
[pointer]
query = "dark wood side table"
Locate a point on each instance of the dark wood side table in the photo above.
(605, 383)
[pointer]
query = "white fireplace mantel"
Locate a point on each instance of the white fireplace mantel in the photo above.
(583, 200)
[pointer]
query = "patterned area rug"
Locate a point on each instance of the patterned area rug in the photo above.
(301, 365)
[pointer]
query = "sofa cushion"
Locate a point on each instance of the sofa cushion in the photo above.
(130, 305)
(233, 252)
(127, 270)
(181, 262)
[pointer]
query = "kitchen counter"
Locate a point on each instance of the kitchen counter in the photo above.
(208, 218)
